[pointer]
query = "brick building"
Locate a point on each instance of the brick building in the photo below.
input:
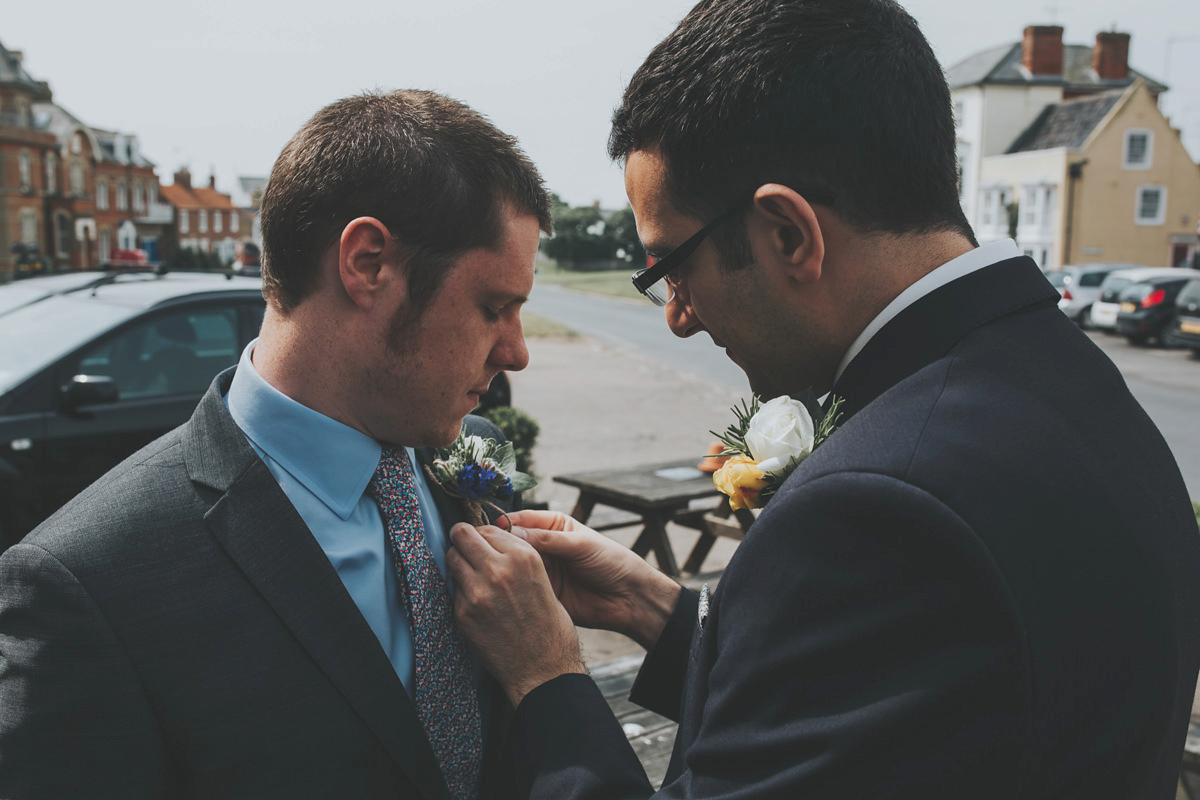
(26, 162)
(206, 220)
(69, 193)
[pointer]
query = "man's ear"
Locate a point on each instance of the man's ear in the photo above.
(788, 232)
(367, 260)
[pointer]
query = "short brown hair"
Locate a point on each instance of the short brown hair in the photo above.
(435, 172)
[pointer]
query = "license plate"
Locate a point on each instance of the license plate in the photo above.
(1189, 327)
(1128, 308)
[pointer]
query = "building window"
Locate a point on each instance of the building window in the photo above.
(1139, 149)
(1151, 205)
(101, 194)
(51, 173)
(105, 244)
(77, 143)
(234, 221)
(202, 221)
(122, 196)
(151, 194)
(62, 234)
(26, 164)
(139, 197)
(217, 222)
(1030, 206)
(184, 222)
(77, 187)
(29, 226)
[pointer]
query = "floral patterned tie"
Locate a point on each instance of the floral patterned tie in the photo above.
(446, 700)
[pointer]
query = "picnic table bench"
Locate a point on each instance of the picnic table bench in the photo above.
(657, 494)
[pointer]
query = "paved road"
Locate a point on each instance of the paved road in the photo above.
(1165, 382)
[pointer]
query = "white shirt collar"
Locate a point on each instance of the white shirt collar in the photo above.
(952, 270)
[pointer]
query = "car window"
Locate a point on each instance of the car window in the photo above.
(1136, 292)
(39, 334)
(1110, 290)
(1092, 279)
(1190, 293)
(1058, 278)
(174, 353)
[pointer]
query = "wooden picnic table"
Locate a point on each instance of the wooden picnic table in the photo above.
(657, 494)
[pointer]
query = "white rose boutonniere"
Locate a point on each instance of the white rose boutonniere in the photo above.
(765, 445)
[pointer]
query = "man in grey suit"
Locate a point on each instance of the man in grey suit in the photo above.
(226, 614)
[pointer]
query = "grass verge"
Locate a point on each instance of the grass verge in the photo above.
(613, 283)
(538, 327)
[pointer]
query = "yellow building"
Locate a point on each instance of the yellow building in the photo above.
(1102, 178)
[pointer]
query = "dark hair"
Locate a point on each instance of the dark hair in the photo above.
(251, 252)
(435, 172)
(840, 96)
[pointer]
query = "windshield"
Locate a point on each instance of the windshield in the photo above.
(39, 334)
(1058, 278)
(1110, 290)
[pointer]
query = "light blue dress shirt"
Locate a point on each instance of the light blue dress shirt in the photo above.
(324, 472)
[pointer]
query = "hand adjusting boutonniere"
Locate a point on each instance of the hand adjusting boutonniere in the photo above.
(765, 444)
(477, 471)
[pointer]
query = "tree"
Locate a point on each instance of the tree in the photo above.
(585, 238)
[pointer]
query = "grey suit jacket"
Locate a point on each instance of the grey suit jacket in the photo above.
(176, 631)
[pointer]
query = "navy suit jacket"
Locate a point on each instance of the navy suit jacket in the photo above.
(176, 631)
(983, 584)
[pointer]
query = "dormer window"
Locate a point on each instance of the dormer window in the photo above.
(1139, 149)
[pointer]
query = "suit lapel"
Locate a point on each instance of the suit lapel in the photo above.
(929, 328)
(266, 538)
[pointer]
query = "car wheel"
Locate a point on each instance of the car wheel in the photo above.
(1196, 353)
(1085, 319)
(1136, 341)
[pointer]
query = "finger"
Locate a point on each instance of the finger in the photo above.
(567, 544)
(501, 540)
(546, 520)
(470, 544)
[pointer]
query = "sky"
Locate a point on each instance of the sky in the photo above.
(220, 86)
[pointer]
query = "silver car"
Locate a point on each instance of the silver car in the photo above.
(1079, 287)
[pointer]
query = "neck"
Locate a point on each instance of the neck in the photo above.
(869, 272)
(298, 355)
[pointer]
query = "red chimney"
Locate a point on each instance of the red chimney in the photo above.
(1110, 57)
(212, 181)
(184, 178)
(1042, 50)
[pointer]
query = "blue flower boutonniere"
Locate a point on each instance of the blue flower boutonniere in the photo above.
(478, 471)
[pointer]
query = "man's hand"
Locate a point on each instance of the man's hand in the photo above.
(601, 583)
(507, 610)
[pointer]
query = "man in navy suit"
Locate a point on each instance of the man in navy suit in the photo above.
(984, 584)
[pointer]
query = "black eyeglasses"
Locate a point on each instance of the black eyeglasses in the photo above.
(652, 281)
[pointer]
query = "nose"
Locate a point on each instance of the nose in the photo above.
(681, 316)
(510, 353)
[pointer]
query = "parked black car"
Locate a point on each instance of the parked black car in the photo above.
(1185, 328)
(1147, 308)
(96, 365)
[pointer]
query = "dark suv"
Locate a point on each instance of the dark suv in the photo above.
(1148, 307)
(1185, 331)
(96, 365)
